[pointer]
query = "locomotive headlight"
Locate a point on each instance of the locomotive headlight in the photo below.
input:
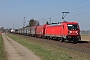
(76, 32)
(69, 32)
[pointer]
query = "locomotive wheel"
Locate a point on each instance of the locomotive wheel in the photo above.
(48, 38)
(62, 39)
(43, 37)
(57, 39)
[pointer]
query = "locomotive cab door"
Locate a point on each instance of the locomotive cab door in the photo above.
(62, 30)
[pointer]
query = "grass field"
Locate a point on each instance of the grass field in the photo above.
(85, 37)
(50, 52)
(2, 52)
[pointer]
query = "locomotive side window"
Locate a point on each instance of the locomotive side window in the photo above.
(73, 27)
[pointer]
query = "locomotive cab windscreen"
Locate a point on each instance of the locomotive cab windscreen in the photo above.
(73, 27)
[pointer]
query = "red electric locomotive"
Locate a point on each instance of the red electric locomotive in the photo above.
(64, 31)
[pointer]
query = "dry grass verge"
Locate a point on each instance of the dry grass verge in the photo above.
(2, 51)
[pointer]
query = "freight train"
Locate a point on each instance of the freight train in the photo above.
(64, 31)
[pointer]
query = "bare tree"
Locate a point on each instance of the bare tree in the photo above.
(33, 22)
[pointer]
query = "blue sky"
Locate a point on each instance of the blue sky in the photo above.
(14, 11)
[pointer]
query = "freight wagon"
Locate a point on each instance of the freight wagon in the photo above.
(40, 30)
(27, 31)
(16, 31)
(33, 31)
(21, 31)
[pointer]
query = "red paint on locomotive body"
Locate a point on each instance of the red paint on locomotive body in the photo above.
(67, 30)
